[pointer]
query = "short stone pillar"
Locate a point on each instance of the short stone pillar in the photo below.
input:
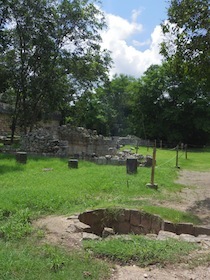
(21, 157)
(73, 163)
(131, 165)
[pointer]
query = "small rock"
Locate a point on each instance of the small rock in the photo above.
(107, 232)
(164, 235)
(188, 238)
(90, 236)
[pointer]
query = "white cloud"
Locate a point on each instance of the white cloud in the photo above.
(127, 58)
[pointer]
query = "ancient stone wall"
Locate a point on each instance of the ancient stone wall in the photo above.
(5, 119)
(4, 124)
(66, 141)
(125, 221)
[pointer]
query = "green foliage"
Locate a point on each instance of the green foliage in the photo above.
(187, 52)
(44, 59)
(171, 106)
(140, 250)
(109, 110)
(188, 23)
(15, 225)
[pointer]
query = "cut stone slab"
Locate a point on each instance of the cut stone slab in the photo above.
(188, 238)
(80, 227)
(107, 232)
(90, 236)
(164, 235)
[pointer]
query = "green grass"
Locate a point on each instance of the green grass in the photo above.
(29, 260)
(47, 186)
(63, 190)
(172, 215)
(140, 250)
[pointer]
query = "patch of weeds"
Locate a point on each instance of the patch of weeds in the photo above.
(4, 214)
(57, 261)
(140, 250)
(16, 225)
(111, 214)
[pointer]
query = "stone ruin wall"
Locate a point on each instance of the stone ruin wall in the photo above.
(5, 125)
(67, 141)
(5, 119)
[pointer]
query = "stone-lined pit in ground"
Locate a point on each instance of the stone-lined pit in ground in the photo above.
(125, 221)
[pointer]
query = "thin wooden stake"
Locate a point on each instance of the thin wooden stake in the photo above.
(185, 151)
(177, 156)
(153, 164)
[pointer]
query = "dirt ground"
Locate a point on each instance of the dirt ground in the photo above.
(195, 198)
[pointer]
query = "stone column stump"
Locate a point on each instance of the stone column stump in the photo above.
(73, 163)
(131, 165)
(21, 157)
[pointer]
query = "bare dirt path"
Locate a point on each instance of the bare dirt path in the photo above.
(195, 198)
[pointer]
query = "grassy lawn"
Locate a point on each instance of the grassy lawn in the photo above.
(47, 186)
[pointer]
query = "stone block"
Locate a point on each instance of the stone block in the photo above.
(164, 235)
(124, 215)
(114, 161)
(90, 236)
(201, 230)
(21, 157)
(121, 228)
(146, 221)
(97, 229)
(73, 163)
(92, 217)
(131, 165)
(157, 223)
(122, 162)
(101, 161)
(184, 228)
(169, 226)
(137, 230)
(79, 227)
(188, 238)
(107, 232)
(135, 217)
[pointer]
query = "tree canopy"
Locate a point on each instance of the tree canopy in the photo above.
(188, 38)
(50, 52)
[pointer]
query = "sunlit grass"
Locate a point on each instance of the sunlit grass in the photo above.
(47, 186)
(140, 250)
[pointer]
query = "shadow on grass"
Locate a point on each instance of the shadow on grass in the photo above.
(8, 169)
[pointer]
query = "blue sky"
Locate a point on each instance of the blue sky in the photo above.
(133, 34)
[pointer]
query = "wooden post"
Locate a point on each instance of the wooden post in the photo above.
(147, 145)
(185, 151)
(152, 184)
(153, 164)
(177, 156)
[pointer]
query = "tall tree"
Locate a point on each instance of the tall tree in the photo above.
(51, 50)
(109, 109)
(188, 38)
(171, 107)
(187, 52)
